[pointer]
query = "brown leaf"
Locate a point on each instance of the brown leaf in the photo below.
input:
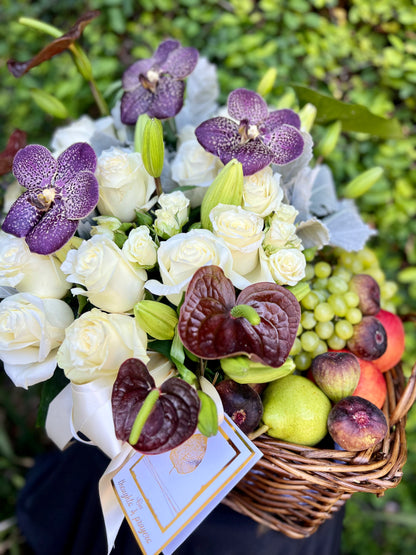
(17, 69)
(17, 140)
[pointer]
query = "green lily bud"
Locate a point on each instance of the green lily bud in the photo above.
(207, 417)
(157, 319)
(267, 82)
(227, 188)
(363, 182)
(307, 116)
(243, 370)
(139, 131)
(49, 104)
(328, 142)
(153, 149)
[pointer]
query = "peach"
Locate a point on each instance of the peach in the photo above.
(395, 340)
(372, 383)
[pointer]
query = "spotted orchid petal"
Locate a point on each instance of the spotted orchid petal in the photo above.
(168, 99)
(22, 217)
(34, 167)
(135, 103)
(52, 231)
(286, 143)
(163, 51)
(80, 195)
(247, 105)
(180, 62)
(131, 75)
(78, 157)
(280, 117)
(217, 135)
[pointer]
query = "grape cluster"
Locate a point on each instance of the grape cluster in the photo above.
(331, 309)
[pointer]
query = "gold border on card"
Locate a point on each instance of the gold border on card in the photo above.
(163, 529)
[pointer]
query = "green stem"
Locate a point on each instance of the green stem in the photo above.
(158, 184)
(143, 415)
(40, 26)
(99, 99)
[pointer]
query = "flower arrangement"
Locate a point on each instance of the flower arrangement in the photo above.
(152, 267)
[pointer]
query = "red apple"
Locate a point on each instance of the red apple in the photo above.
(372, 383)
(395, 340)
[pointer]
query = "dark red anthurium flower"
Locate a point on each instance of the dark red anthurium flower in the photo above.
(213, 324)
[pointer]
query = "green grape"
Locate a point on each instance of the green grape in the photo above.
(303, 361)
(347, 259)
(300, 330)
(322, 269)
(324, 312)
(296, 347)
(320, 283)
(354, 315)
(388, 289)
(367, 257)
(377, 274)
(309, 340)
(310, 301)
(337, 285)
(351, 298)
(307, 320)
(338, 304)
(356, 267)
(325, 329)
(344, 329)
(321, 348)
(336, 343)
(322, 295)
(343, 273)
(309, 272)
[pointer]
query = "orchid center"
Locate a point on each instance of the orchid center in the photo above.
(150, 80)
(43, 200)
(248, 131)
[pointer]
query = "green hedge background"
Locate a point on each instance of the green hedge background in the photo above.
(357, 51)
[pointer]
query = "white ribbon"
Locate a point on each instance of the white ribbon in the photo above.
(86, 409)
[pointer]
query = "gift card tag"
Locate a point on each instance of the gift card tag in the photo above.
(165, 497)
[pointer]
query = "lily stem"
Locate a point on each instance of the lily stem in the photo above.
(158, 184)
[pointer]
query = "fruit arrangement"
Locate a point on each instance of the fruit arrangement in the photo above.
(345, 343)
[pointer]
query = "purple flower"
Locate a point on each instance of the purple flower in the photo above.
(155, 86)
(59, 193)
(259, 139)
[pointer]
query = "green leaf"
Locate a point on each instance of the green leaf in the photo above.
(353, 117)
(50, 390)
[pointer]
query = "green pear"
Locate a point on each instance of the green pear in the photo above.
(296, 410)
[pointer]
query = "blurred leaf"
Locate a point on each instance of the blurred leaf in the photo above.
(17, 140)
(352, 116)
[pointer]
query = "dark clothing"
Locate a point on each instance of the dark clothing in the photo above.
(59, 513)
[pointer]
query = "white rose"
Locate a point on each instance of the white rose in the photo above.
(80, 130)
(125, 185)
(166, 225)
(287, 266)
(242, 232)
(286, 213)
(106, 225)
(180, 256)
(97, 343)
(262, 193)
(12, 193)
(31, 330)
(172, 215)
(278, 235)
(140, 248)
(29, 272)
(112, 282)
(194, 166)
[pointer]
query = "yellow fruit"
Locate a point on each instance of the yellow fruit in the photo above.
(296, 410)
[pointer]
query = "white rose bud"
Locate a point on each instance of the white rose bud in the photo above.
(166, 225)
(97, 343)
(242, 232)
(112, 283)
(125, 185)
(38, 274)
(262, 193)
(182, 255)
(286, 213)
(279, 234)
(287, 266)
(106, 225)
(31, 330)
(139, 248)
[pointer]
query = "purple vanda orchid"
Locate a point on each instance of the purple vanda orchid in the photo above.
(59, 193)
(257, 138)
(155, 86)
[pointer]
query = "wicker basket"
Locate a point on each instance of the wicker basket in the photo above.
(293, 489)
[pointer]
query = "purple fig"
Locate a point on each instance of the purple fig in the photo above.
(242, 404)
(336, 373)
(369, 339)
(356, 424)
(368, 292)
